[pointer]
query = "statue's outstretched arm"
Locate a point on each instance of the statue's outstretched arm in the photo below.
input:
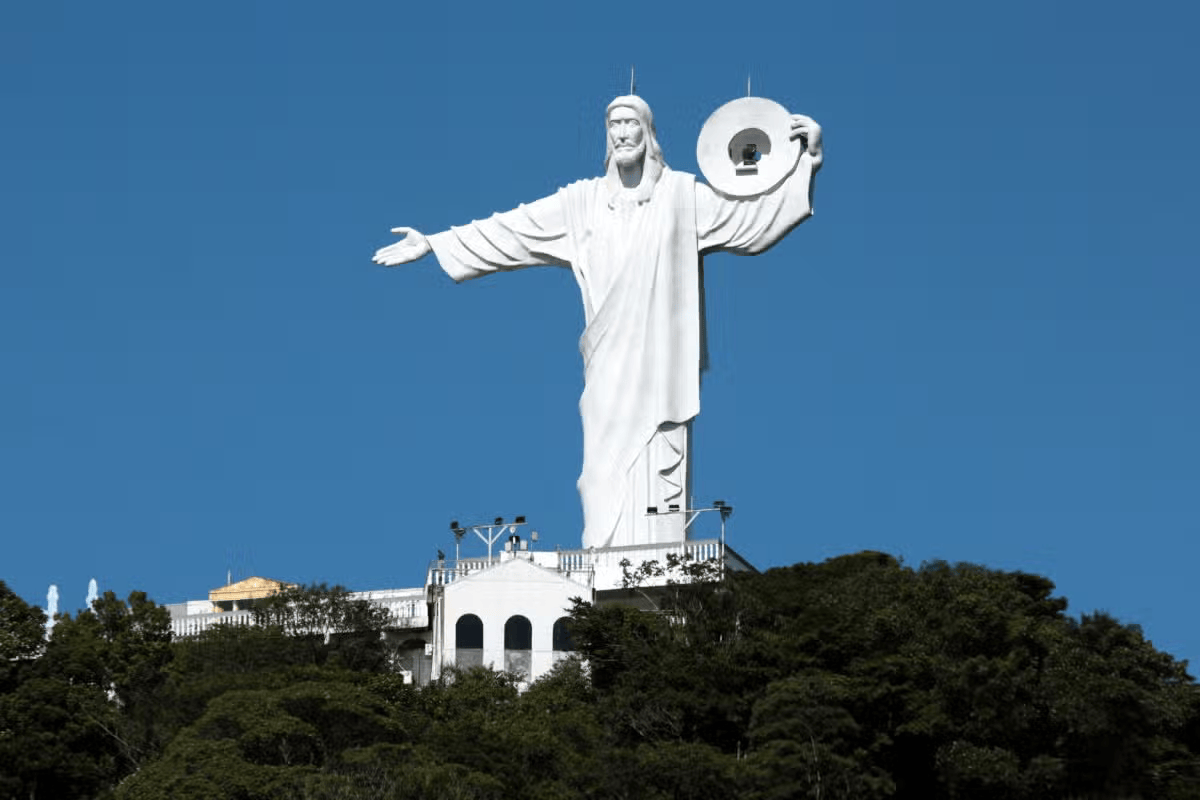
(413, 246)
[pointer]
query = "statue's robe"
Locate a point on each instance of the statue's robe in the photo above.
(637, 257)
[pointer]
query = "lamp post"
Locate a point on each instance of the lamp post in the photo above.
(721, 506)
(489, 533)
(459, 532)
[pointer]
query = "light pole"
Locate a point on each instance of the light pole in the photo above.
(488, 533)
(718, 505)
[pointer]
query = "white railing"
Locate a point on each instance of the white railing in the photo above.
(445, 572)
(574, 560)
(605, 564)
(704, 549)
(406, 607)
(193, 624)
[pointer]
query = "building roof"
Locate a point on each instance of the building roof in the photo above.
(248, 589)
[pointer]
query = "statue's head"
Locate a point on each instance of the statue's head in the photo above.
(631, 135)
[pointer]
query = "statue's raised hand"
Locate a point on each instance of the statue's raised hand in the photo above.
(807, 130)
(414, 245)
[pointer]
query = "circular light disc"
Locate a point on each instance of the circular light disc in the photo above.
(745, 147)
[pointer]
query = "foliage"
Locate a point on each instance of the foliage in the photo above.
(22, 627)
(855, 678)
(265, 743)
(84, 713)
(860, 677)
(323, 615)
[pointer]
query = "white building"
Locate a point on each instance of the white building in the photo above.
(506, 611)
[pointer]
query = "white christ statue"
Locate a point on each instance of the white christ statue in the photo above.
(634, 239)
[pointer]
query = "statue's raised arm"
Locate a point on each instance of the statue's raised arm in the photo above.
(808, 131)
(412, 247)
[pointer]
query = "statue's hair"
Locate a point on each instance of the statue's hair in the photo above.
(642, 109)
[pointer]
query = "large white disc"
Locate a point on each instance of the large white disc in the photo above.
(745, 147)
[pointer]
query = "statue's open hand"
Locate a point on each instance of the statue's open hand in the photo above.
(414, 245)
(807, 129)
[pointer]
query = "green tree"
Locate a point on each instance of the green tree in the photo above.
(861, 677)
(85, 712)
(56, 740)
(857, 677)
(681, 673)
(22, 628)
(807, 743)
(331, 622)
(555, 737)
(255, 744)
(1123, 706)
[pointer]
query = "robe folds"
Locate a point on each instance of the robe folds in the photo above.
(637, 257)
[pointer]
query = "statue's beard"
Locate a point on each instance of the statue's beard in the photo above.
(629, 156)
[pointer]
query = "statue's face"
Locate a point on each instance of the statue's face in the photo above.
(627, 137)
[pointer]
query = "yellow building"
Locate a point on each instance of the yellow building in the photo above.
(243, 594)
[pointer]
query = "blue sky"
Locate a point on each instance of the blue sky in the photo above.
(982, 347)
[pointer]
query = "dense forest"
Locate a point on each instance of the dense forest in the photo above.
(858, 677)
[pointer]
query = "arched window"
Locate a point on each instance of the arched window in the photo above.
(468, 641)
(518, 645)
(468, 632)
(518, 633)
(562, 635)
